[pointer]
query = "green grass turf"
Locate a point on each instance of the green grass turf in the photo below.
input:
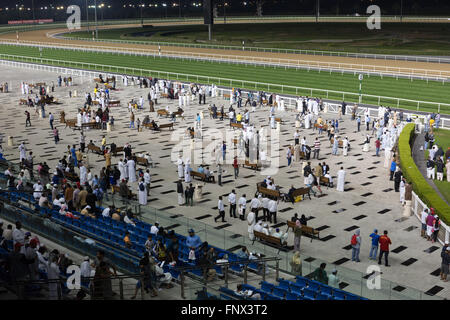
(374, 85)
(442, 138)
(392, 38)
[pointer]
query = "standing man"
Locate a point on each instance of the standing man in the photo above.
(341, 180)
(22, 152)
(384, 248)
(147, 180)
(221, 209)
(316, 149)
(356, 246)
(82, 142)
(242, 205)
(51, 118)
(374, 248)
(219, 174)
(27, 121)
(377, 147)
(272, 211)
(236, 168)
(393, 167)
(232, 202)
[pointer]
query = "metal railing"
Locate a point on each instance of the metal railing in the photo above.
(416, 73)
(79, 68)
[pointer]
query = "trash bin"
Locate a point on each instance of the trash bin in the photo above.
(108, 127)
(10, 141)
(407, 208)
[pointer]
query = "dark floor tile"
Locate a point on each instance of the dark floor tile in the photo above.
(399, 249)
(239, 246)
(360, 217)
(281, 224)
(411, 228)
(173, 226)
(166, 192)
(167, 208)
(399, 288)
(401, 219)
(342, 285)
(351, 228)
(352, 167)
(434, 290)
(387, 190)
(431, 249)
(328, 237)
(339, 210)
(234, 236)
(349, 189)
(436, 272)
(203, 217)
(384, 211)
(223, 226)
(322, 228)
(333, 203)
(356, 172)
(341, 261)
(359, 203)
(371, 177)
(347, 247)
(310, 259)
(366, 194)
(243, 186)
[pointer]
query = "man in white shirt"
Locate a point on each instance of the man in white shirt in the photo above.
(424, 223)
(18, 235)
(107, 212)
(127, 220)
(85, 269)
(221, 209)
(37, 188)
(232, 202)
(242, 205)
(154, 229)
(265, 207)
(255, 204)
(147, 180)
(272, 211)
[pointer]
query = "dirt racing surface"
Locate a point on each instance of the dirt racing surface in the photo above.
(47, 36)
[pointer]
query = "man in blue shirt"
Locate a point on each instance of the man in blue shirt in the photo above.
(243, 254)
(200, 169)
(374, 248)
(193, 241)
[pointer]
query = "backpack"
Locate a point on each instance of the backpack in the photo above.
(354, 240)
(141, 187)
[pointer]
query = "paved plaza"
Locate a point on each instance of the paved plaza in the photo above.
(369, 201)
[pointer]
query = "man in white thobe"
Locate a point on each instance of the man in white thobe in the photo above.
(341, 180)
(131, 165)
(142, 188)
(122, 169)
(402, 191)
(83, 174)
(187, 171)
(345, 146)
(251, 220)
(22, 151)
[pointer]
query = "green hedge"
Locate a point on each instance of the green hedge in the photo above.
(420, 186)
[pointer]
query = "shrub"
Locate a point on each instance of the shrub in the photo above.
(420, 186)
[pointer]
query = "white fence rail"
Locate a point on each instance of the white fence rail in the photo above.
(245, 84)
(416, 73)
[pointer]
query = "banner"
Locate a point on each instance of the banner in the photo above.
(39, 21)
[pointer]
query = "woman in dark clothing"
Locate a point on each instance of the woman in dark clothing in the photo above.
(303, 220)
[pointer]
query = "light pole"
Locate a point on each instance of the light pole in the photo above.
(32, 9)
(87, 15)
(179, 8)
(401, 10)
(224, 12)
(360, 87)
(318, 11)
(95, 13)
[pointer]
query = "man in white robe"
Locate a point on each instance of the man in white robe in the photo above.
(142, 188)
(345, 146)
(83, 174)
(402, 191)
(122, 169)
(22, 151)
(251, 220)
(131, 165)
(180, 167)
(187, 171)
(340, 180)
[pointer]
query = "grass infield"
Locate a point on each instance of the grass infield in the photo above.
(420, 90)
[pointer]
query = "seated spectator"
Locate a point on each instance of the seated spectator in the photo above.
(127, 240)
(154, 229)
(200, 169)
(149, 244)
(7, 234)
(87, 211)
(164, 278)
(108, 211)
(246, 293)
(258, 227)
(128, 218)
(243, 254)
(280, 235)
(160, 250)
(116, 216)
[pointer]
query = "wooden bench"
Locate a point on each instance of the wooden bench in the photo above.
(200, 175)
(23, 101)
(162, 112)
(71, 176)
(301, 192)
(272, 194)
(164, 95)
(226, 96)
(277, 120)
(93, 148)
(142, 161)
(113, 103)
(71, 123)
(93, 125)
(270, 240)
(166, 125)
(324, 181)
(313, 233)
(118, 150)
(340, 143)
(254, 166)
(236, 125)
(131, 195)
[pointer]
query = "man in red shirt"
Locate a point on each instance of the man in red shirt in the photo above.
(236, 167)
(377, 147)
(384, 247)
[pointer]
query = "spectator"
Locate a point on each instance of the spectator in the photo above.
(384, 248)
(243, 254)
(333, 279)
(320, 274)
(374, 248)
(296, 264)
(193, 241)
(356, 246)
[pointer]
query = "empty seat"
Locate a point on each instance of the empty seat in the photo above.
(279, 292)
(351, 296)
(302, 282)
(338, 295)
(309, 294)
(292, 296)
(314, 285)
(322, 297)
(285, 284)
(267, 287)
(326, 290)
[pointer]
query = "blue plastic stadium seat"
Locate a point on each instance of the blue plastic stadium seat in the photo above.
(271, 297)
(351, 296)
(338, 295)
(297, 289)
(322, 297)
(292, 296)
(248, 287)
(285, 284)
(279, 292)
(309, 294)
(267, 287)
(302, 282)
(225, 297)
(314, 285)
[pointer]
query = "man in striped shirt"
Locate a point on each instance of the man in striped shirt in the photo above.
(316, 149)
